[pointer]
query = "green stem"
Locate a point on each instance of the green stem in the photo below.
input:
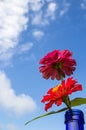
(66, 100)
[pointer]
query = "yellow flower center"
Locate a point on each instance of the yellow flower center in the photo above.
(56, 88)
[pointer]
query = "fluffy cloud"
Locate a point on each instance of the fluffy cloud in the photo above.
(52, 6)
(14, 19)
(24, 47)
(36, 5)
(8, 126)
(19, 104)
(83, 5)
(42, 17)
(38, 19)
(11, 127)
(38, 34)
(12, 22)
(64, 8)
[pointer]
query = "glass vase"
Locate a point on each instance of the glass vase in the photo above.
(74, 119)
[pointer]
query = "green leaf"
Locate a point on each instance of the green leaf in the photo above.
(46, 114)
(74, 102)
(78, 101)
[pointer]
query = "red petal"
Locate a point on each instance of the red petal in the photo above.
(59, 102)
(77, 88)
(48, 105)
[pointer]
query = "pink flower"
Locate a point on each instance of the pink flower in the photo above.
(58, 94)
(57, 64)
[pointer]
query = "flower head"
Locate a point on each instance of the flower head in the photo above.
(58, 94)
(57, 64)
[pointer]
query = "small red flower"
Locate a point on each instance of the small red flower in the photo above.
(57, 94)
(57, 64)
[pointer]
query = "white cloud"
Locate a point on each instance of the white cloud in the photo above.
(83, 5)
(9, 126)
(14, 19)
(65, 8)
(19, 104)
(38, 34)
(12, 22)
(52, 6)
(24, 47)
(39, 19)
(49, 0)
(36, 5)
(43, 16)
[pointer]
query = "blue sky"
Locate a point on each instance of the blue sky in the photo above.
(29, 29)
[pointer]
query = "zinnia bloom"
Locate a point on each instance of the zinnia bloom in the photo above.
(59, 93)
(57, 64)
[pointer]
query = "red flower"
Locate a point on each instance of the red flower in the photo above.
(57, 64)
(58, 93)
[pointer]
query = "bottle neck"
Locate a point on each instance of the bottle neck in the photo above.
(74, 120)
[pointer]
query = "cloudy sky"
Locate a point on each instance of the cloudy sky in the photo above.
(28, 30)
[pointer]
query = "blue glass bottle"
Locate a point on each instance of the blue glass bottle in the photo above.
(74, 120)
